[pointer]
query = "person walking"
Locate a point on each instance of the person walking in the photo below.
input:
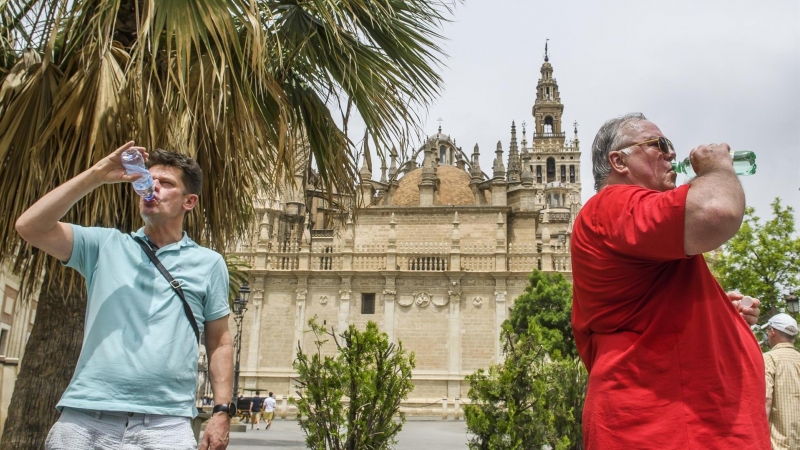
(672, 361)
(255, 409)
(134, 384)
(269, 410)
(782, 368)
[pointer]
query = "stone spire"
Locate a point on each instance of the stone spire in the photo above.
(383, 171)
(527, 174)
(427, 187)
(393, 164)
(514, 169)
(365, 173)
(475, 167)
(498, 167)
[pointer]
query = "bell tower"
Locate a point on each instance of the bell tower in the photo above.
(547, 109)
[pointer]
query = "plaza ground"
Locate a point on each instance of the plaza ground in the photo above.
(416, 435)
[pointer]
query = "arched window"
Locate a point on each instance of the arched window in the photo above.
(442, 155)
(563, 174)
(538, 173)
(548, 124)
(551, 169)
(572, 173)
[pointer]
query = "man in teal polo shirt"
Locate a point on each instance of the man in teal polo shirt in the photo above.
(134, 385)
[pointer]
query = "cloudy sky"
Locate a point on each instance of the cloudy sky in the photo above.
(704, 71)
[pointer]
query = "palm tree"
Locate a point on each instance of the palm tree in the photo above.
(237, 84)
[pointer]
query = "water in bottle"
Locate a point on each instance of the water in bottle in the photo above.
(744, 163)
(133, 162)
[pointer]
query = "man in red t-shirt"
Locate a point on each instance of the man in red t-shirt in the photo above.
(672, 361)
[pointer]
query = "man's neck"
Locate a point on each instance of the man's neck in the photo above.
(161, 236)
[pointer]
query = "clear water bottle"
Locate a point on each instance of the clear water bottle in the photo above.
(744, 163)
(133, 162)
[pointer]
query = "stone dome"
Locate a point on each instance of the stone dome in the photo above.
(453, 188)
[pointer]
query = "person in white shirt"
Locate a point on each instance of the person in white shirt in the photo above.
(269, 410)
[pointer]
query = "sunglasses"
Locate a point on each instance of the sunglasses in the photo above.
(664, 144)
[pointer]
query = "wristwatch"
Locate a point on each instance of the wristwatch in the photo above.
(229, 408)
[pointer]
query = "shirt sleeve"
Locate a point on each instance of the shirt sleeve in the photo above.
(216, 304)
(647, 224)
(769, 371)
(86, 244)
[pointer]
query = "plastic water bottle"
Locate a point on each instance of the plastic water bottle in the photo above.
(744, 163)
(133, 162)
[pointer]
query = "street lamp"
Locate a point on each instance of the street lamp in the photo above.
(239, 308)
(792, 303)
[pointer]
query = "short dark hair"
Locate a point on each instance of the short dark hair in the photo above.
(258, 392)
(192, 177)
(270, 394)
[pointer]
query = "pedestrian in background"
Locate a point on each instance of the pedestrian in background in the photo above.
(255, 409)
(782, 368)
(269, 410)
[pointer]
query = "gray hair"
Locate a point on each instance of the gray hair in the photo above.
(609, 138)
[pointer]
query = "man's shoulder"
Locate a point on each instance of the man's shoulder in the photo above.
(204, 252)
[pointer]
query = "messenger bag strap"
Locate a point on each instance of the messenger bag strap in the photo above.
(176, 285)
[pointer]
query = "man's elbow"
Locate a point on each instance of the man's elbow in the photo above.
(23, 227)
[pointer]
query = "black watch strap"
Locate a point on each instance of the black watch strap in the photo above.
(229, 408)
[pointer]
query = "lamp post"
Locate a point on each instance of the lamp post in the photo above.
(792, 303)
(239, 308)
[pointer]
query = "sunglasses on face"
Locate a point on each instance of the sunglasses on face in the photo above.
(664, 144)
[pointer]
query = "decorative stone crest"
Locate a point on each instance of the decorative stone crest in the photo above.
(323, 299)
(477, 302)
(443, 301)
(405, 300)
(422, 299)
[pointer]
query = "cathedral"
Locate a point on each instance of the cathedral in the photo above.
(436, 255)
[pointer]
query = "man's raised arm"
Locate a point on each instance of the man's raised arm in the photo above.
(40, 225)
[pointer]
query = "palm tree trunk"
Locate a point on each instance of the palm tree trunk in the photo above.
(47, 365)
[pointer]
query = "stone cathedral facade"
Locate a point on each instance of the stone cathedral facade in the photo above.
(436, 256)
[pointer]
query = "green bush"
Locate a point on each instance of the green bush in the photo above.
(535, 396)
(370, 373)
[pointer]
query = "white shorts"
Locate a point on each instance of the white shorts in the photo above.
(79, 429)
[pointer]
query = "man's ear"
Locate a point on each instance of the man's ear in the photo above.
(617, 161)
(189, 202)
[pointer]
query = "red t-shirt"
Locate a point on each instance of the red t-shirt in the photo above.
(672, 364)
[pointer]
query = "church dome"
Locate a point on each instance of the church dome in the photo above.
(453, 188)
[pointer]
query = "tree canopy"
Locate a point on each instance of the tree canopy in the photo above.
(761, 260)
(534, 396)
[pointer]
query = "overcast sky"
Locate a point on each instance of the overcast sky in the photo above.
(703, 71)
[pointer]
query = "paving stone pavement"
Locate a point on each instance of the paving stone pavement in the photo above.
(416, 435)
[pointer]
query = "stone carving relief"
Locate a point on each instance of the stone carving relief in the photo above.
(422, 299)
(323, 282)
(301, 293)
(323, 299)
(443, 301)
(500, 296)
(474, 282)
(280, 281)
(405, 300)
(389, 292)
(344, 294)
(477, 302)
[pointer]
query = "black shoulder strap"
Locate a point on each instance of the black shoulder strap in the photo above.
(172, 282)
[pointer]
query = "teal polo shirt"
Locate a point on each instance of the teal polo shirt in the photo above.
(139, 351)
